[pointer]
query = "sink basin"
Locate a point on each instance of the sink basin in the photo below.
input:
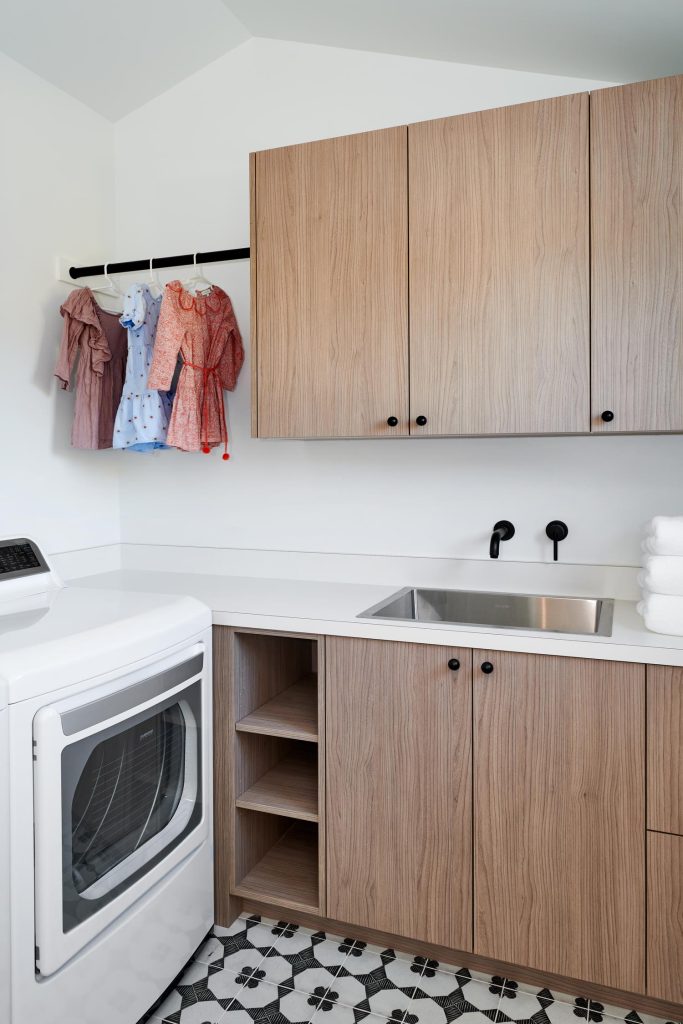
(579, 615)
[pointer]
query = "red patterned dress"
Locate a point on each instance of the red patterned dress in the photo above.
(202, 329)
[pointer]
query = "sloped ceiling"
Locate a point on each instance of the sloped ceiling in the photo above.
(611, 40)
(116, 56)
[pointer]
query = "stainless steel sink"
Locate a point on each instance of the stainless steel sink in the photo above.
(579, 615)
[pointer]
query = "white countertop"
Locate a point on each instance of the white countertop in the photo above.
(307, 606)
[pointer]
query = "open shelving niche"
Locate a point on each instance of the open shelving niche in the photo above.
(278, 788)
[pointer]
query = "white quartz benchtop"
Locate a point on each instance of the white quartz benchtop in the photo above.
(307, 606)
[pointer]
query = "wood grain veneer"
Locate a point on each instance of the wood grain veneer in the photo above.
(665, 916)
(226, 906)
(332, 287)
(559, 779)
(399, 799)
(499, 314)
(274, 775)
(293, 713)
(665, 749)
(637, 255)
(287, 875)
(290, 788)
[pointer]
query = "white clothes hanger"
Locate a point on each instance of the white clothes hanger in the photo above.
(197, 283)
(155, 285)
(110, 290)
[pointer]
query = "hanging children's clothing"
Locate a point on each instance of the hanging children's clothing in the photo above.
(98, 339)
(203, 329)
(142, 418)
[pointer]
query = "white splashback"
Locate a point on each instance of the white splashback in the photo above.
(182, 183)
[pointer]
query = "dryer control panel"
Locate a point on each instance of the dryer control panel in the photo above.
(20, 557)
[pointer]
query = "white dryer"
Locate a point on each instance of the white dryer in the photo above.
(110, 795)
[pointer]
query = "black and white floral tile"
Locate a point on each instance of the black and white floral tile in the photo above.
(260, 971)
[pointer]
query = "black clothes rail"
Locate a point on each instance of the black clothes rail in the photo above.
(160, 262)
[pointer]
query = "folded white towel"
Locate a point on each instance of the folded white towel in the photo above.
(664, 536)
(662, 574)
(662, 613)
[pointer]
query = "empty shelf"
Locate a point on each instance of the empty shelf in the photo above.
(288, 874)
(292, 714)
(290, 789)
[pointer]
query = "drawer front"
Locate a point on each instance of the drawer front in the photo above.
(664, 742)
(665, 917)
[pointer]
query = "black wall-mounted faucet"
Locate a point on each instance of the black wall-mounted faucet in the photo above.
(503, 530)
(557, 531)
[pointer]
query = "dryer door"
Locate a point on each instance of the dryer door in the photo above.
(118, 789)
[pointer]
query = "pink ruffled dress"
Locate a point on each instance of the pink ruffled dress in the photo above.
(95, 338)
(202, 330)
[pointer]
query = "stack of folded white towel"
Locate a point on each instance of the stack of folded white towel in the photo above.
(661, 578)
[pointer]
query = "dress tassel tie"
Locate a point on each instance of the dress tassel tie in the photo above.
(207, 372)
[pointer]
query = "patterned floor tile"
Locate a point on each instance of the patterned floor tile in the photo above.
(263, 971)
(404, 974)
(315, 978)
(518, 1005)
(350, 989)
(482, 997)
(561, 1013)
(364, 958)
(434, 983)
(198, 1013)
(293, 1007)
(210, 951)
(391, 1003)
(340, 1014)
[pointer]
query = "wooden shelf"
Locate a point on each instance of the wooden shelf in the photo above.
(292, 714)
(290, 789)
(288, 874)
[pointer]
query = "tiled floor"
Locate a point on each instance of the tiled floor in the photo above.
(267, 972)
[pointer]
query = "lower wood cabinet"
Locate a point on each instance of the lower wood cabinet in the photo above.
(559, 779)
(482, 801)
(664, 753)
(399, 794)
(665, 917)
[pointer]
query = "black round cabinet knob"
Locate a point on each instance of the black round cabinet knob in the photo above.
(607, 415)
(487, 667)
(392, 421)
(421, 421)
(453, 664)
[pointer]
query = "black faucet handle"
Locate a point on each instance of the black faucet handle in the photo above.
(503, 530)
(556, 530)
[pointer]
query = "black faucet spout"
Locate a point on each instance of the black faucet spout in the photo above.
(503, 530)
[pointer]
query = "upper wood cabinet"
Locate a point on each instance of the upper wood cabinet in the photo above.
(637, 256)
(559, 847)
(399, 789)
(499, 314)
(468, 276)
(331, 287)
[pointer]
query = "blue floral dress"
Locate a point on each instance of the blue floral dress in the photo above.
(143, 415)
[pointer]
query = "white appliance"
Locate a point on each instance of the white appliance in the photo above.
(108, 769)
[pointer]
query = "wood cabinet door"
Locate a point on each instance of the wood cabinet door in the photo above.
(399, 800)
(637, 256)
(559, 811)
(665, 917)
(499, 314)
(331, 354)
(664, 753)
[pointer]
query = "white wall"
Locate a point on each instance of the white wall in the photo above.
(182, 184)
(56, 196)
